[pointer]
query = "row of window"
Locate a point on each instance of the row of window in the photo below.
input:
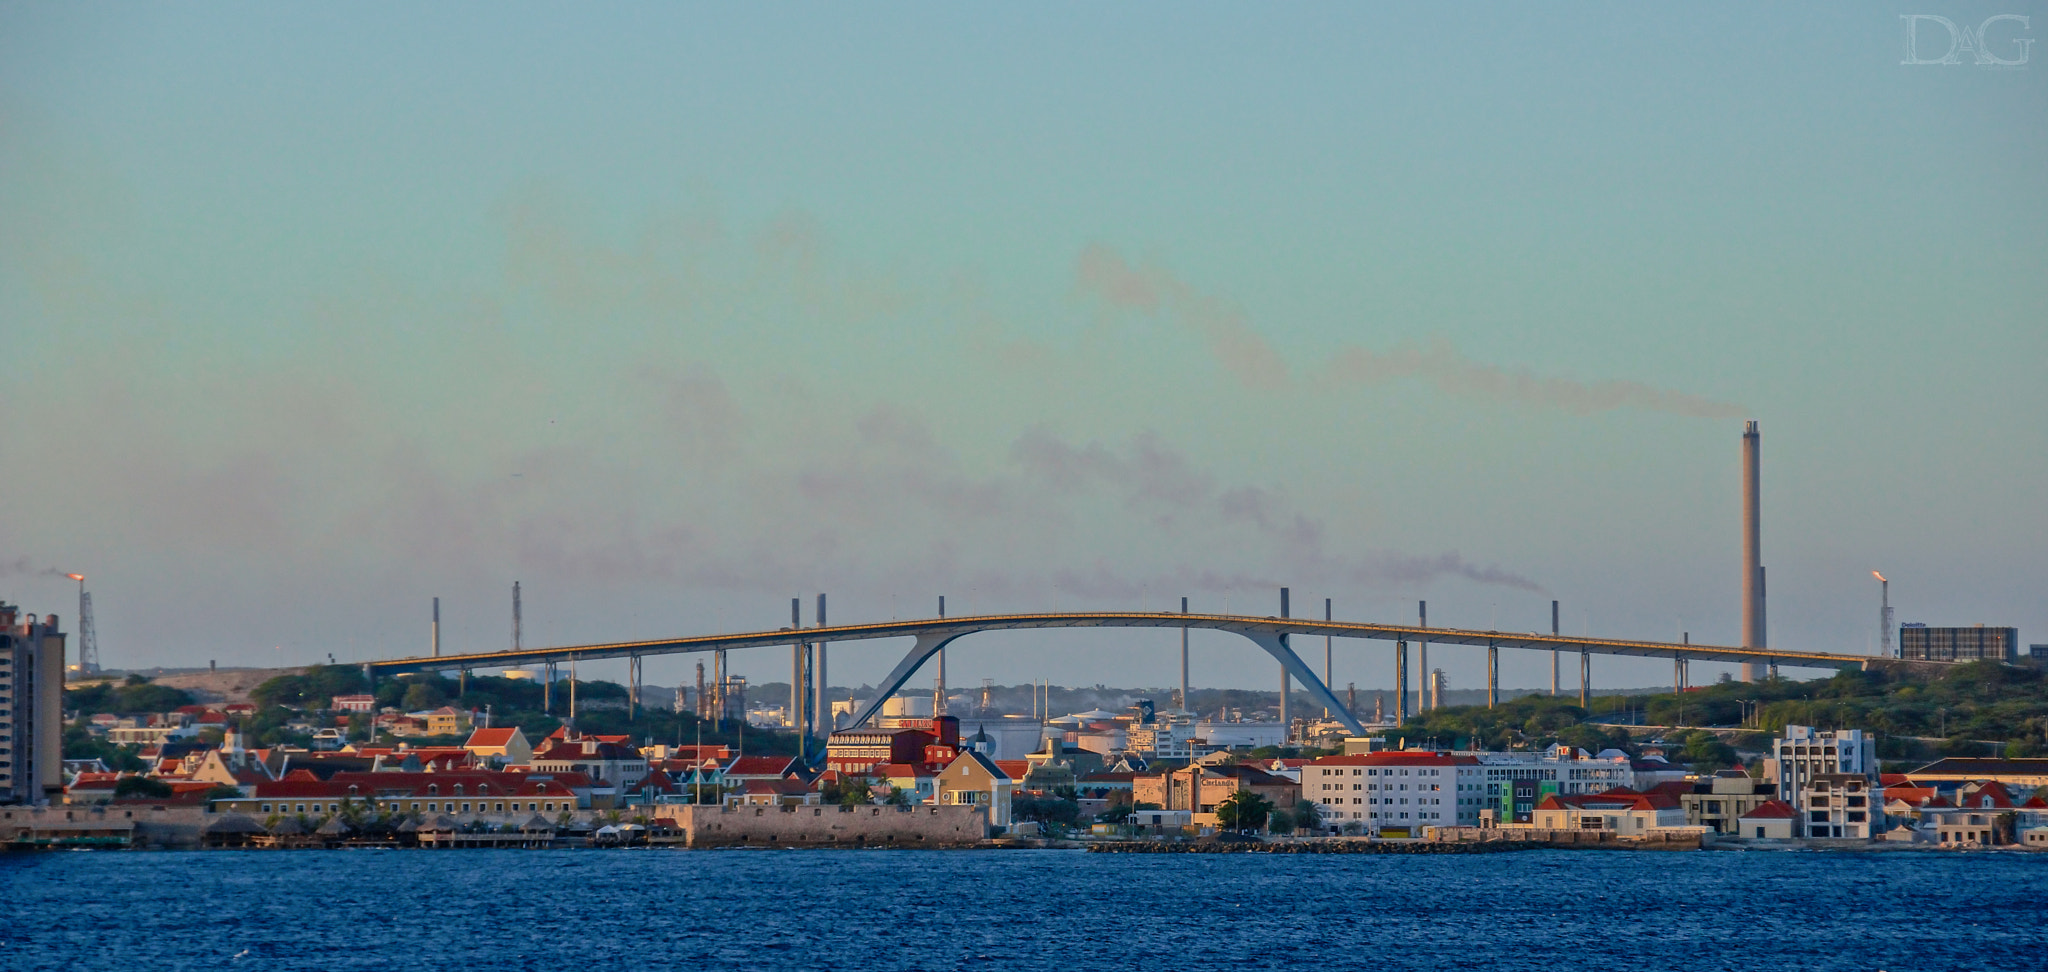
(431, 807)
(1375, 771)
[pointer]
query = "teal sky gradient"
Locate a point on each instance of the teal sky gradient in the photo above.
(674, 312)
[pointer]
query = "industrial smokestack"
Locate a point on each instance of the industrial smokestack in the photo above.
(1884, 615)
(434, 633)
(1752, 552)
(515, 616)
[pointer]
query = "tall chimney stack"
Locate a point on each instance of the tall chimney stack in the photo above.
(434, 634)
(1752, 553)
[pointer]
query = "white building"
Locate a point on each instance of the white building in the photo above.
(1839, 805)
(1804, 754)
(1240, 735)
(1399, 791)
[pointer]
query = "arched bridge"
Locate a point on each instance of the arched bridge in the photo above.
(1269, 634)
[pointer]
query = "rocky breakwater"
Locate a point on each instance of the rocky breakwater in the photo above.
(1337, 845)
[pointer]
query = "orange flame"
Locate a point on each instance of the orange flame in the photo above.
(1879, 576)
(76, 577)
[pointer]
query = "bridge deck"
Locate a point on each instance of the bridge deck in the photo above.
(1239, 624)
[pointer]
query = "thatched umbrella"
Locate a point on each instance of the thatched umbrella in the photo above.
(537, 825)
(334, 829)
(442, 824)
(288, 827)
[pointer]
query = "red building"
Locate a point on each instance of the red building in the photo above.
(922, 742)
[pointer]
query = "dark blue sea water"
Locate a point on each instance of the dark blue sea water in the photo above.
(567, 911)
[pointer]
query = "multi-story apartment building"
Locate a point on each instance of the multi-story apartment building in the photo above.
(1721, 801)
(1397, 791)
(1839, 805)
(1515, 783)
(1803, 754)
(31, 708)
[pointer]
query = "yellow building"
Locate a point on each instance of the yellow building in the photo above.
(971, 779)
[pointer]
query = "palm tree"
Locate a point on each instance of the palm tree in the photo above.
(1308, 815)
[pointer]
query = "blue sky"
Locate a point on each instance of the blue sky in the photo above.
(675, 312)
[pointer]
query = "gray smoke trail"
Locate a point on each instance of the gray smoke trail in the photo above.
(1103, 274)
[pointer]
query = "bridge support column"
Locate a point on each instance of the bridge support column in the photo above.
(1492, 676)
(632, 687)
(1553, 652)
(1585, 678)
(1428, 700)
(1401, 681)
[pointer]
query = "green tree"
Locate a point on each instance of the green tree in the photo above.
(1280, 822)
(143, 787)
(423, 695)
(1243, 811)
(852, 791)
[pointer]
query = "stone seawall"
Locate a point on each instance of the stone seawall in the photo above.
(820, 826)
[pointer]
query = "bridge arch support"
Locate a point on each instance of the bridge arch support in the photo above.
(1271, 643)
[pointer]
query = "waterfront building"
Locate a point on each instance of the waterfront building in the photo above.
(1802, 754)
(463, 795)
(1200, 788)
(972, 779)
(1720, 800)
(1402, 791)
(1622, 812)
(31, 708)
(1840, 805)
(1773, 820)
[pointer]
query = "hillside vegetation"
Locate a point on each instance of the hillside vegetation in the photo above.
(1975, 709)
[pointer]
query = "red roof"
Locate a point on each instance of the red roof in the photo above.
(491, 737)
(1015, 769)
(1912, 795)
(1772, 810)
(777, 766)
(1403, 758)
(1618, 798)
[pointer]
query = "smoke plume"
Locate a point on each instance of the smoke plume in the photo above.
(1103, 274)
